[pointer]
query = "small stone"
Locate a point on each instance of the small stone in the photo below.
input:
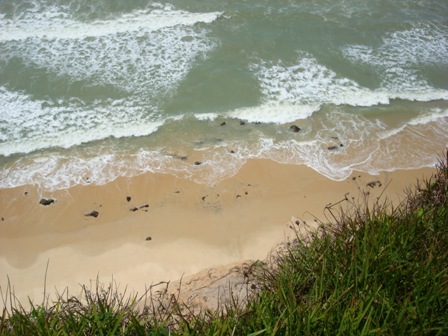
(197, 163)
(3, 219)
(144, 206)
(294, 128)
(148, 238)
(223, 123)
(46, 201)
(133, 209)
(93, 213)
(232, 152)
(26, 193)
(128, 198)
(242, 122)
(332, 148)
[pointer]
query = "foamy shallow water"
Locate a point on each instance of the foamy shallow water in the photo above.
(92, 92)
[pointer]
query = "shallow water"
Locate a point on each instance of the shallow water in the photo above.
(92, 90)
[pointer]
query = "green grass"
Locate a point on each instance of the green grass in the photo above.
(371, 270)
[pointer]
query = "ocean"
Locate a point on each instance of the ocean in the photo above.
(94, 90)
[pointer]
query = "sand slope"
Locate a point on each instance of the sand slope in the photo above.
(177, 227)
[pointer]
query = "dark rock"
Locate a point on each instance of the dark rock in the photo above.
(183, 158)
(238, 196)
(242, 123)
(128, 198)
(26, 193)
(133, 209)
(3, 219)
(232, 152)
(294, 128)
(373, 184)
(144, 206)
(148, 238)
(93, 213)
(46, 201)
(197, 163)
(335, 147)
(223, 123)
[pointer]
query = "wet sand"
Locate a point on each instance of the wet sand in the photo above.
(156, 227)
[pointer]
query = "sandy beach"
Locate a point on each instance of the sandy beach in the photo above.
(156, 227)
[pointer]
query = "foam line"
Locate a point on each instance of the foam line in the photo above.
(53, 27)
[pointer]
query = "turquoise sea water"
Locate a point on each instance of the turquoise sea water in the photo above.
(92, 90)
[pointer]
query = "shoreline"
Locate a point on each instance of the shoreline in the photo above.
(156, 227)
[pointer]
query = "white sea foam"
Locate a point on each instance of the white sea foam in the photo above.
(431, 116)
(367, 146)
(135, 62)
(308, 83)
(55, 23)
(27, 125)
(423, 143)
(397, 58)
(434, 116)
(275, 112)
(145, 54)
(132, 57)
